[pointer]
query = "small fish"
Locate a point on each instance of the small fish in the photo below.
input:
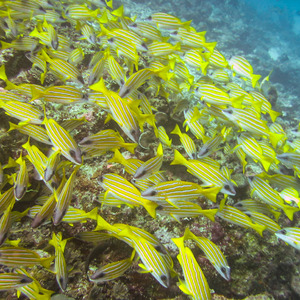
(196, 59)
(22, 179)
(220, 76)
(34, 131)
(125, 191)
(151, 166)
(113, 270)
(51, 165)
(264, 220)
(264, 191)
(64, 198)
(13, 281)
(161, 49)
(211, 144)
(208, 174)
(6, 198)
(185, 209)
(187, 142)
(22, 111)
(105, 140)
(80, 12)
(167, 21)
(172, 191)
(63, 94)
(235, 216)
(194, 284)
(290, 235)
(18, 257)
(212, 252)
(213, 95)
(194, 125)
(115, 70)
(290, 195)
(152, 261)
(146, 30)
(163, 137)
(60, 266)
(242, 67)
(62, 141)
(21, 44)
(218, 60)
(74, 215)
(5, 223)
(65, 70)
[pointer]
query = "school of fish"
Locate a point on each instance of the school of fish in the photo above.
(123, 66)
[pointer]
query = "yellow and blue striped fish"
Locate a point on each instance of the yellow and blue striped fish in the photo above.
(149, 167)
(22, 179)
(205, 172)
(62, 141)
(22, 111)
(60, 266)
(10, 281)
(5, 223)
(187, 142)
(152, 260)
(125, 191)
(212, 252)
(113, 270)
(290, 235)
(235, 216)
(18, 257)
(194, 284)
(264, 191)
(167, 21)
(264, 220)
(64, 198)
(185, 209)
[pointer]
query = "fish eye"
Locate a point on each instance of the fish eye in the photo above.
(111, 40)
(230, 111)
(101, 178)
(163, 277)
(54, 185)
(134, 25)
(149, 19)
(283, 231)
(223, 270)
(98, 275)
(153, 193)
(72, 153)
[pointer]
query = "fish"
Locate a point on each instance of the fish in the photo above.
(60, 266)
(22, 257)
(235, 216)
(125, 191)
(213, 95)
(211, 144)
(13, 280)
(149, 167)
(290, 235)
(167, 21)
(187, 142)
(5, 223)
(22, 179)
(172, 191)
(63, 94)
(194, 283)
(120, 112)
(34, 131)
(51, 165)
(64, 198)
(105, 140)
(146, 30)
(152, 261)
(264, 191)
(242, 67)
(63, 69)
(33, 290)
(208, 174)
(74, 215)
(212, 252)
(264, 220)
(62, 141)
(185, 209)
(194, 125)
(163, 136)
(23, 111)
(113, 270)
(196, 59)
(161, 49)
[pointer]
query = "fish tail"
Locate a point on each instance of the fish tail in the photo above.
(93, 214)
(150, 207)
(273, 114)
(209, 213)
(177, 131)
(179, 159)
(259, 228)
(289, 211)
(204, 66)
(46, 262)
(130, 146)
(254, 79)
(5, 45)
